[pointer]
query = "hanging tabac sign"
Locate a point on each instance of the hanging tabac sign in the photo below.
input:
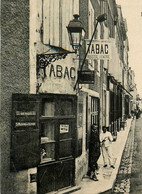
(86, 77)
(99, 49)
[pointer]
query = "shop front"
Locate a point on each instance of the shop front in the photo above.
(44, 136)
(112, 106)
(88, 113)
(127, 106)
(44, 127)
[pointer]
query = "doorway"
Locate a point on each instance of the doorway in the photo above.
(58, 134)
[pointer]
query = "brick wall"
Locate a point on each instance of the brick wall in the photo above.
(14, 79)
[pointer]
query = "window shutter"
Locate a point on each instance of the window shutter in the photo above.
(51, 22)
(79, 125)
(25, 150)
(87, 125)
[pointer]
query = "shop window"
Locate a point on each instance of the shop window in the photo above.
(47, 147)
(64, 107)
(57, 128)
(48, 109)
(43, 129)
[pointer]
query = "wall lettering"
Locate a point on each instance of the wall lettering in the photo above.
(61, 72)
(52, 71)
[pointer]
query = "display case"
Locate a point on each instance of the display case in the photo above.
(47, 148)
(57, 128)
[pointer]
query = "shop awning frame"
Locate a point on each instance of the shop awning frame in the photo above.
(119, 84)
(53, 54)
(44, 59)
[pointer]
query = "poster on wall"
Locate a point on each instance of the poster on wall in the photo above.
(64, 128)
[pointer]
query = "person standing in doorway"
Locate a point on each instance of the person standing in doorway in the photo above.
(106, 141)
(94, 152)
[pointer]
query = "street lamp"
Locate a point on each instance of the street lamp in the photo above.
(76, 32)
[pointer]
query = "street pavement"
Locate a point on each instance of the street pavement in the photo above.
(123, 180)
(136, 172)
(107, 176)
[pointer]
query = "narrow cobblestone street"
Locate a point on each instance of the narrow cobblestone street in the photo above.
(136, 174)
(122, 184)
(129, 175)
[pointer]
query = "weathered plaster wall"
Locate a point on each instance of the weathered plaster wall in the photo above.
(14, 79)
(61, 77)
(81, 164)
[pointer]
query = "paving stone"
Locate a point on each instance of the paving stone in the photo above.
(123, 184)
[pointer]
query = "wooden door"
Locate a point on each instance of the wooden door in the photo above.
(58, 134)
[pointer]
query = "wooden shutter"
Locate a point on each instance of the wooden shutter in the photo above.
(87, 125)
(79, 125)
(51, 22)
(25, 152)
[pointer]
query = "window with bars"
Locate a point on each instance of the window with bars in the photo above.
(94, 111)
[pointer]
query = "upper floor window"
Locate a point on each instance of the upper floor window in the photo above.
(91, 20)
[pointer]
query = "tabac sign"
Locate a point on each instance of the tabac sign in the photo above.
(99, 49)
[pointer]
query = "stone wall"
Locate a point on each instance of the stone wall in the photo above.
(81, 164)
(14, 79)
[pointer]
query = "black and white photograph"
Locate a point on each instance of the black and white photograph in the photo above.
(71, 96)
